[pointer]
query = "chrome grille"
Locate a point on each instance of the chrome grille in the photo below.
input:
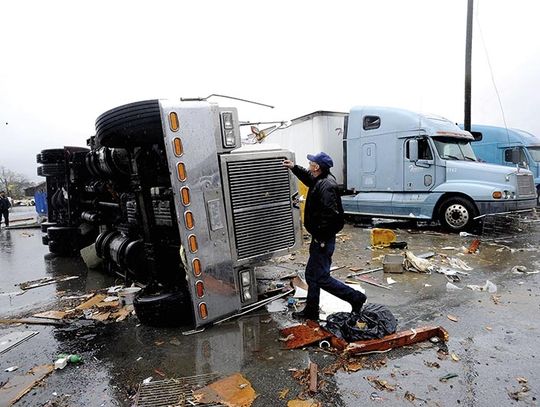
(261, 206)
(525, 184)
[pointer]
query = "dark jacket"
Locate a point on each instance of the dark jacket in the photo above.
(323, 213)
(4, 204)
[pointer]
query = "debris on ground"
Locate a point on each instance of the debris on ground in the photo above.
(11, 369)
(473, 247)
(305, 334)
(380, 384)
(233, 391)
(28, 285)
(452, 318)
(303, 403)
(447, 377)
(382, 237)
(29, 321)
(13, 339)
(523, 270)
(17, 386)
(452, 287)
(393, 263)
(418, 264)
(489, 287)
(368, 280)
(452, 274)
(313, 368)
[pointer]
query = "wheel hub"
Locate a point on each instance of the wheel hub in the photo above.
(457, 215)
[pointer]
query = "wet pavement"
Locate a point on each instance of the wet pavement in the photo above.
(496, 336)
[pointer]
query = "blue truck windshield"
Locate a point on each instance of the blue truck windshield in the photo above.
(450, 148)
(535, 153)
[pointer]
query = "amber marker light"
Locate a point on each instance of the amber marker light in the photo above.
(178, 147)
(497, 195)
(203, 310)
(189, 220)
(200, 289)
(174, 123)
(192, 243)
(197, 268)
(181, 171)
(184, 194)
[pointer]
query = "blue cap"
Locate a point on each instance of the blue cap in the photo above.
(323, 159)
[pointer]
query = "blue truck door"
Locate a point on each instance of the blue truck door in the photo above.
(419, 175)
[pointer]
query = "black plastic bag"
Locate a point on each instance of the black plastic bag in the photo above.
(379, 322)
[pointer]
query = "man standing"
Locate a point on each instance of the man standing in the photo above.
(323, 218)
(4, 208)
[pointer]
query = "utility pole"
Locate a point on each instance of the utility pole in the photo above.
(468, 58)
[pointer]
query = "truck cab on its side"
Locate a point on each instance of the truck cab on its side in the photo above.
(171, 201)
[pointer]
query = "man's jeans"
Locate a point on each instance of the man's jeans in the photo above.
(318, 276)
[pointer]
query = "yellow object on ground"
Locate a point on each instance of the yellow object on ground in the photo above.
(382, 237)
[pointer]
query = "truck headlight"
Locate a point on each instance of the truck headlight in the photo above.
(246, 278)
(228, 129)
(246, 293)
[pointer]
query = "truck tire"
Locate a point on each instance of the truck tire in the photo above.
(163, 308)
(62, 233)
(457, 214)
(538, 195)
(51, 156)
(64, 249)
(47, 225)
(52, 170)
(132, 125)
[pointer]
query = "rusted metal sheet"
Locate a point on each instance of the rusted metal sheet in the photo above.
(396, 340)
(305, 334)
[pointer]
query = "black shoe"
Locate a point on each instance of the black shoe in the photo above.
(306, 314)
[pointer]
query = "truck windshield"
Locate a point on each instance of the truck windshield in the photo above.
(535, 153)
(454, 149)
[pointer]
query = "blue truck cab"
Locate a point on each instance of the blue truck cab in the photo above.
(499, 145)
(394, 163)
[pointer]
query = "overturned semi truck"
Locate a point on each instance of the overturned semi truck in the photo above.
(173, 202)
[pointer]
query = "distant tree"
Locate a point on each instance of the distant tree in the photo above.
(13, 183)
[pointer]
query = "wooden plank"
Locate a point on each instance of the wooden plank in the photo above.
(96, 299)
(312, 377)
(28, 321)
(51, 315)
(17, 386)
(397, 340)
(305, 334)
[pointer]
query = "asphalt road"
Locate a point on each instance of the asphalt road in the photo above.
(496, 338)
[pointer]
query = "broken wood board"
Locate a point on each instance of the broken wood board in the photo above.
(13, 339)
(233, 391)
(17, 386)
(369, 280)
(313, 377)
(304, 334)
(43, 281)
(28, 321)
(96, 299)
(121, 314)
(397, 340)
(51, 315)
(303, 403)
(102, 316)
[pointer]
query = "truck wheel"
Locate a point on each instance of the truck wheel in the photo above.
(132, 125)
(457, 214)
(52, 170)
(47, 225)
(51, 156)
(62, 233)
(65, 249)
(163, 308)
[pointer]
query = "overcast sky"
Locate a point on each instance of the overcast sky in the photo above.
(63, 63)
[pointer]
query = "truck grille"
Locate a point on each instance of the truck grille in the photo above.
(261, 206)
(525, 185)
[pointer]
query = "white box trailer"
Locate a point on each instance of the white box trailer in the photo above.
(312, 133)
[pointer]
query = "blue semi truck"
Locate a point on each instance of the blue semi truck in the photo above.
(510, 147)
(394, 163)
